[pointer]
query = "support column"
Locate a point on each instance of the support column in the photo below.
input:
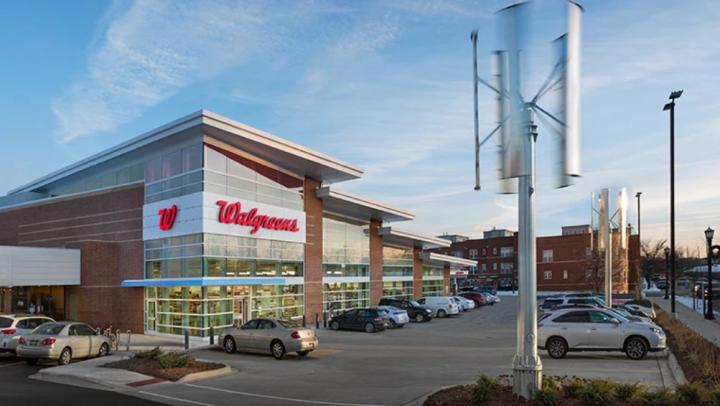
(446, 280)
(417, 273)
(376, 263)
(313, 249)
(6, 303)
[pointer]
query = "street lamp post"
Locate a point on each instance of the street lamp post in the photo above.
(709, 314)
(671, 106)
(667, 280)
(638, 279)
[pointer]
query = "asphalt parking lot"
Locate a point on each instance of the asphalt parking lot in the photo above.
(394, 367)
(17, 389)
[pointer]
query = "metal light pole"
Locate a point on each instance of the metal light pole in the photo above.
(638, 281)
(709, 314)
(667, 263)
(671, 106)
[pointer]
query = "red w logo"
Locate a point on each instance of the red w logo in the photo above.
(167, 217)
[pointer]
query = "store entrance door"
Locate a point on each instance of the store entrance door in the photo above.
(241, 310)
(151, 315)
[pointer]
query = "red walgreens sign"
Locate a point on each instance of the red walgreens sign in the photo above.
(231, 213)
(167, 217)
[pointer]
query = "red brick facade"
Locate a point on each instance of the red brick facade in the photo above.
(107, 228)
(313, 269)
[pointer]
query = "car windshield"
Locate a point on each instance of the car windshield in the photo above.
(5, 322)
(49, 329)
(617, 314)
(414, 303)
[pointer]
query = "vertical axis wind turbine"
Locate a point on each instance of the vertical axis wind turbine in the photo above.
(516, 134)
(600, 207)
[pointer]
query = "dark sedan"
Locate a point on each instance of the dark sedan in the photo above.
(368, 320)
(415, 311)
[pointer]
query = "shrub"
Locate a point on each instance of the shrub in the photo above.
(714, 396)
(627, 391)
(173, 360)
(597, 392)
(660, 397)
(545, 397)
(485, 388)
(573, 387)
(150, 354)
(690, 394)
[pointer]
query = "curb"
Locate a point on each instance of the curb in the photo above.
(213, 373)
(72, 380)
(675, 369)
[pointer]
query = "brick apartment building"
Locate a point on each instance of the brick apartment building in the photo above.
(564, 262)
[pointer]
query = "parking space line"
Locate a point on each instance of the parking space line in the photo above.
(13, 364)
(174, 398)
(315, 402)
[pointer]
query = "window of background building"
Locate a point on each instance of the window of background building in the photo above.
(483, 267)
(484, 252)
(494, 250)
(397, 261)
(494, 266)
(547, 275)
(547, 255)
(506, 267)
(506, 252)
(473, 253)
(565, 274)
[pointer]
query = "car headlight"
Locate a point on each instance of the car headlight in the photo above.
(657, 330)
(428, 311)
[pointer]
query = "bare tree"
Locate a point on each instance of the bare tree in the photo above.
(652, 258)
(595, 266)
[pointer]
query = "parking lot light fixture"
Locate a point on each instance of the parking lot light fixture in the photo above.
(671, 107)
(709, 314)
(667, 266)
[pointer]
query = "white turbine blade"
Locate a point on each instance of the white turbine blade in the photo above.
(603, 220)
(569, 55)
(513, 151)
(622, 205)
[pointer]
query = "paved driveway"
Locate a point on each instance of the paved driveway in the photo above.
(394, 367)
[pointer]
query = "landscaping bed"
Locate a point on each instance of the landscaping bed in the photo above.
(171, 366)
(698, 357)
(572, 391)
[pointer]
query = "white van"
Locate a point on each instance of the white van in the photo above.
(441, 306)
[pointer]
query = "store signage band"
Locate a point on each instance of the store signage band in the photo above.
(231, 213)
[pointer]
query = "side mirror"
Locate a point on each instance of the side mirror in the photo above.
(615, 321)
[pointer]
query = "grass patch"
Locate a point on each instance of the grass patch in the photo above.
(698, 357)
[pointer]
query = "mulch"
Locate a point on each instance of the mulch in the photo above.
(152, 368)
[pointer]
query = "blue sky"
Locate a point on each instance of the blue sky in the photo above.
(382, 85)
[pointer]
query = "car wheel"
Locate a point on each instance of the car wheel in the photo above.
(419, 318)
(369, 328)
(635, 348)
(303, 353)
(391, 323)
(229, 345)
(278, 349)
(65, 357)
(104, 350)
(400, 325)
(556, 347)
(31, 361)
(441, 313)
(335, 325)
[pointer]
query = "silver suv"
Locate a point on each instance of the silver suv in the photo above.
(12, 326)
(597, 330)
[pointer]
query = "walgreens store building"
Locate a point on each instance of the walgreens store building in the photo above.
(205, 222)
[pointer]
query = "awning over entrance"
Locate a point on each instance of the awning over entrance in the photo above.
(349, 205)
(207, 281)
(31, 266)
(394, 236)
(457, 265)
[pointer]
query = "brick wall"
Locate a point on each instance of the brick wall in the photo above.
(107, 228)
(417, 273)
(376, 263)
(313, 270)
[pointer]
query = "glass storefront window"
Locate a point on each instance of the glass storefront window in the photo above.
(429, 270)
(432, 288)
(398, 290)
(215, 266)
(342, 296)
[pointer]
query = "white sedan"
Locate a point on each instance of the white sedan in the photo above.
(465, 304)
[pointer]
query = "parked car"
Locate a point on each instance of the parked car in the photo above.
(643, 305)
(62, 341)
(273, 336)
(597, 330)
(488, 289)
(13, 326)
(551, 302)
(465, 304)
(442, 306)
(630, 313)
(396, 317)
(368, 319)
(415, 311)
(491, 299)
(476, 297)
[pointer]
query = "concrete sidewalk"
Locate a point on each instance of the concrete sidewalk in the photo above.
(693, 320)
(91, 374)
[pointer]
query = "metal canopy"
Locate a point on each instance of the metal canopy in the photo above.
(291, 157)
(349, 205)
(393, 236)
(448, 260)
